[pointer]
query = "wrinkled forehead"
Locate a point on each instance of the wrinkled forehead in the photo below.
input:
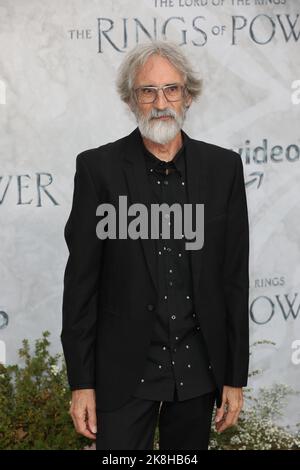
(156, 71)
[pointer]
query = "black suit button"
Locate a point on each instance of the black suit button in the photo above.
(150, 307)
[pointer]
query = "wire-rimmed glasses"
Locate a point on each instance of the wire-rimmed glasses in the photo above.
(148, 94)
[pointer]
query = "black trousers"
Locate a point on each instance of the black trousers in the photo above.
(182, 424)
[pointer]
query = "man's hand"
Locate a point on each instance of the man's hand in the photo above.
(83, 412)
(232, 400)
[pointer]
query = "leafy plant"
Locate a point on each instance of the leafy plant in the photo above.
(256, 428)
(34, 402)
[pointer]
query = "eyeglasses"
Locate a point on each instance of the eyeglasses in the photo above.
(148, 94)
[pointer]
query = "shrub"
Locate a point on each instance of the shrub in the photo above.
(256, 428)
(34, 402)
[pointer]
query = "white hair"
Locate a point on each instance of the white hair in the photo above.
(137, 57)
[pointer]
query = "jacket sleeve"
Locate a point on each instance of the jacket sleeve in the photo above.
(81, 281)
(236, 282)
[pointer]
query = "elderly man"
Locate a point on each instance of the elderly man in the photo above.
(155, 334)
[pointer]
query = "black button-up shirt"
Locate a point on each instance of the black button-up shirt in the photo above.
(177, 357)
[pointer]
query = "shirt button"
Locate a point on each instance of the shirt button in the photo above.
(142, 380)
(170, 270)
(150, 307)
(170, 283)
(173, 362)
(174, 349)
(166, 297)
(173, 317)
(181, 383)
(182, 183)
(179, 254)
(176, 337)
(187, 296)
(194, 315)
(159, 366)
(198, 327)
(189, 365)
(164, 348)
(159, 252)
(158, 182)
(209, 366)
(187, 346)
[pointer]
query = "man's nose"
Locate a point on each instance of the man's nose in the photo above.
(160, 100)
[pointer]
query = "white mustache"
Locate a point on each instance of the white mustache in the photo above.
(160, 131)
(156, 114)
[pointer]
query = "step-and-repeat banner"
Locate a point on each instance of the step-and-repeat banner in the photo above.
(58, 63)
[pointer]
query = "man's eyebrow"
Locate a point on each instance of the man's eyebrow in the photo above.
(167, 84)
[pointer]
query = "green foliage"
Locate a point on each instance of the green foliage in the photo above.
(256, 428)
(35, 401)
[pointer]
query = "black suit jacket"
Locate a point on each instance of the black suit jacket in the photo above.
(110, 286)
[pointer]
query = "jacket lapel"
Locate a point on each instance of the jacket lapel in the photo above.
(139, 191)
(197, 179)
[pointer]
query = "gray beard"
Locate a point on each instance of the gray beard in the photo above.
(160, 131)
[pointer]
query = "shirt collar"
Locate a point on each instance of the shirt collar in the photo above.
(178, 160)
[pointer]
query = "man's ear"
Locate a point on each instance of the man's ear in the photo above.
(188, 100)
(130, 105)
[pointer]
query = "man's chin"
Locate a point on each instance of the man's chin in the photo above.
(156, 134)
(161, 139)
(162, 123)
